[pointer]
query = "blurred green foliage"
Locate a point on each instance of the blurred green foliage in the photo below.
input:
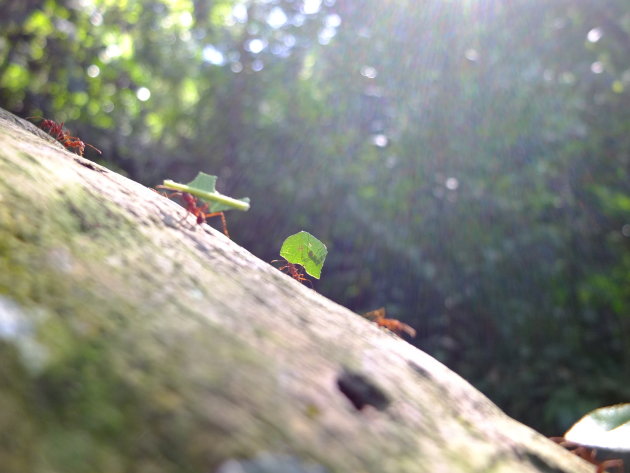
(466, 162)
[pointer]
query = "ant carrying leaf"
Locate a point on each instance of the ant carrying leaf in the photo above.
(396, 326)
(213, 203)
(302, 250)
(306, 250)
(191, 205)
(203, 186)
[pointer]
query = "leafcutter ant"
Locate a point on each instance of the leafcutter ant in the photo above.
(62, 135)
(396, 326)
(294, 271)
(191, 204)
(589, 454)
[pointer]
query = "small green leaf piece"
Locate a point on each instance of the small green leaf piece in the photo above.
(204, 187)
(203, 181)
(306, 250)
(606, 427)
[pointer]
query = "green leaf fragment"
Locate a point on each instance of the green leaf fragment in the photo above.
(306, 250)
(204, 187)
(606, 427)
(204, 182)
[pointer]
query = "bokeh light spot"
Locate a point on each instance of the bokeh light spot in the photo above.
(239, 13)
(333, 21)
(277, 18)
(597, 67)
(451, 183)
(143, 94)
(472, 54)
(594, 35)
(93, 70)
(256, 45)
(311, 7)
(213, 55)
(380, 140)
(369, 72)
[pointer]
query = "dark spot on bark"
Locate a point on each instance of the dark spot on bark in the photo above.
(422, 371)
(539, 463)
(361, 391)
(90, 165)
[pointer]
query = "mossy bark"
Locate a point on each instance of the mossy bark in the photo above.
(131, 341)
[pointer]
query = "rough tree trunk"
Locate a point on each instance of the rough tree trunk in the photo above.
(133, 342)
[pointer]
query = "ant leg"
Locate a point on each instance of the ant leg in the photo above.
(223, 221)
(606, 464)
(293, 271)
(305, 279)
(296, 274)
(94, 148)
(170, 196)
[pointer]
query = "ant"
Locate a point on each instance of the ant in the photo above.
(394, 325)
(191, 205)
(589, 454)
(294, 271)
(62, 135)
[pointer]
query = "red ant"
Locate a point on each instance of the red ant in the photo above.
(192, 205)
(294, 271)
(394, 325)
(57, 131)
(589, 454)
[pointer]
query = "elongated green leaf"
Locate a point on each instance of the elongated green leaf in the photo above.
(204, 187)
(306, 250)
(606, 427)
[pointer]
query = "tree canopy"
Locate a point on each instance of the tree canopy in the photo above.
(465, 162)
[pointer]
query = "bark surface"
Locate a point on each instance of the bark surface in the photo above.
(133, 342)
